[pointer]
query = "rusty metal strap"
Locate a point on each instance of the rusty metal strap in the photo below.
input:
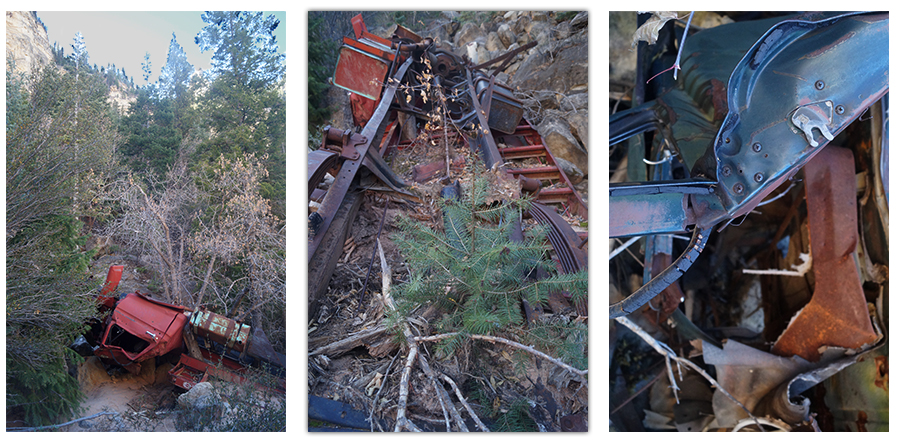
(668, 276)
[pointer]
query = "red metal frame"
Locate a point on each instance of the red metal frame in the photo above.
(157, 323)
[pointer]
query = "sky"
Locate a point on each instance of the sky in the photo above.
(122, 38)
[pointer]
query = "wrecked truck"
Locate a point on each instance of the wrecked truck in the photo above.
(134, 328)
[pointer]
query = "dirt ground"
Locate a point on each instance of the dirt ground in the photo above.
(142, 402)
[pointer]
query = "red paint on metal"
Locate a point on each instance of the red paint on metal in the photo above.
(362, 109)
(837, 314)
(107, 297)
(361, 72)
(150, 328)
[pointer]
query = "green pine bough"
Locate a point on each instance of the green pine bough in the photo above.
(479, 276)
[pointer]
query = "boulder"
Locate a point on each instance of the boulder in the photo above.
(540, 16)
(562, 30)
(506, 34)
(562, 66)
(521, 23)
(580, 20)
(202, 396)
(572, 172)
(578, 101)
(468, 32)
(494, 43)
(561, 142)
(579, 124)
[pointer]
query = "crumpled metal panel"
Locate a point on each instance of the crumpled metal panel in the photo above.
(157, 323)
(802, 82)
(749, 375)
(837, 314)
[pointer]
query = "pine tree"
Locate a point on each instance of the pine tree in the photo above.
(56, 164)
(174, 79)
(146, 67)
(245, 102)
(475, 271)
(79, 51)
(244, 47)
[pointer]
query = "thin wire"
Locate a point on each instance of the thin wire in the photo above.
(776, 197)
(681, 46)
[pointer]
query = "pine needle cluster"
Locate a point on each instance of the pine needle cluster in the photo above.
(475, 270)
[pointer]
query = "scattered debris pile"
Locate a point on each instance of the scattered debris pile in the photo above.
(777, 320)
(441, 129)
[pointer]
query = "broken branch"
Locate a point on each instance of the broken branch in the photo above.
(494, 339)
(348, 343)
(465, 403)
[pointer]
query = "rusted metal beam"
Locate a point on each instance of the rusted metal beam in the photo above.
(837, 314)
(348, 171)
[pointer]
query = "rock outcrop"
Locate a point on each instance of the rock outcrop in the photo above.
(27, 43)
(551, 78)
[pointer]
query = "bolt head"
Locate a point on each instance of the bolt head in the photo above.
(726, 170)
(757, 147)
(820, 85)
(758, 177)
(738, 188)
(839, 110)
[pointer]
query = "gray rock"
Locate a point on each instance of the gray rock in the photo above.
(467, 33)
(202, 396)
(581, 20)
(540, 16)
(521, 23)
(506, 34)
(494, 43)
(562, 30)
(579, 124)
(561, 142)
(562, 67)
(577, 101)
(572, 172)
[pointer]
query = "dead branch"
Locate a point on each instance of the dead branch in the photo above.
(464, 402)
(442, 394)
(494, 339)
(47, 427)
(387, 373)
(402, 421)
(667, 352)
(348, 343)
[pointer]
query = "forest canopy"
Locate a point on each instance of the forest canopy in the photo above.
(188, 184)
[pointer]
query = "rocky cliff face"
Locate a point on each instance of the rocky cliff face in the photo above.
(28, 47)
(27, 44)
